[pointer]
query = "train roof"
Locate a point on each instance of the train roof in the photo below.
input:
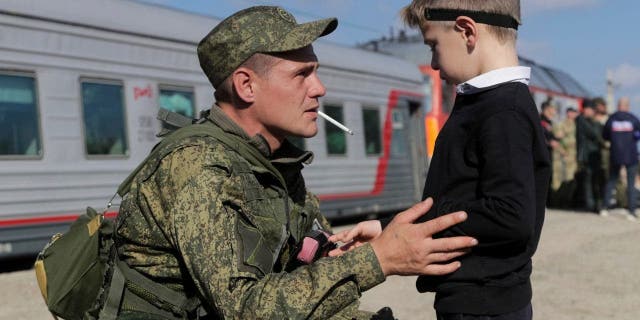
(160, 22)
(411, 47)
(554, 79)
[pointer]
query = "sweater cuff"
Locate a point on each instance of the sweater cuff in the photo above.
(366, 267)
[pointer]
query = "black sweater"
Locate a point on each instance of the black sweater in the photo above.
(491, 161)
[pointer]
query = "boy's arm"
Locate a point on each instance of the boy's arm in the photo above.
(504, 212)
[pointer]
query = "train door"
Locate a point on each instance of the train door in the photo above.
(408, 156)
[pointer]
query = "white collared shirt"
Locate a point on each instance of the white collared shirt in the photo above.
(494, 78)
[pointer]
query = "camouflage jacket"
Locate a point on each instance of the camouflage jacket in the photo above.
(207, 222)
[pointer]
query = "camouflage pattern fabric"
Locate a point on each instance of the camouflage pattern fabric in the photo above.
(565, 164)
(207, 222)
(260, 29)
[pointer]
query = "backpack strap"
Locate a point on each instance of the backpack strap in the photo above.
(158, 295)
(150, 296)
(114, 298)
(173, 118)
(168, 144)
(172, 121)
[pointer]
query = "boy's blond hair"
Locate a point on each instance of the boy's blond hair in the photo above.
(414, 14)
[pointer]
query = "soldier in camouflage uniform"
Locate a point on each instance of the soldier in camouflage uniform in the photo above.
(565, 162)
(566, 133)
(221, 221)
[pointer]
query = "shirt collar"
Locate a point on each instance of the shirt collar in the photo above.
(494, 78)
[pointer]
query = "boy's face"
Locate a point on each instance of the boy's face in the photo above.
(449, 52)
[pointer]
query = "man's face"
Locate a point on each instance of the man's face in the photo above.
(572, 115)
(550, 112)
(287, 96)
(589, 112)
(448, 52)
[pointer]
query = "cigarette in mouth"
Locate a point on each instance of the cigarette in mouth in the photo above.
(336, 123)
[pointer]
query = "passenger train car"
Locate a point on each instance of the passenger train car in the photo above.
(82, 81)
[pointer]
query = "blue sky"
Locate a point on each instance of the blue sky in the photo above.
(585, 38)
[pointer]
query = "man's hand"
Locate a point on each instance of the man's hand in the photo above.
(405, 248)
(362, 233)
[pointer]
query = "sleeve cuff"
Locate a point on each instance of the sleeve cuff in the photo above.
(366, 267)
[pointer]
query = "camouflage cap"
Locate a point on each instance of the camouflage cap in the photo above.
(260, 29)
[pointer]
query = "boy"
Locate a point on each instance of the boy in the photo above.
(490, 159)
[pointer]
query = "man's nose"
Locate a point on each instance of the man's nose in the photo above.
(317, 87)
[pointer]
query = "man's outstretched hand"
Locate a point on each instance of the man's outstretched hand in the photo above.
(407, 248)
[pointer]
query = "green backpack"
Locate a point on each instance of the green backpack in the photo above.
(71, 267)
(79, 273)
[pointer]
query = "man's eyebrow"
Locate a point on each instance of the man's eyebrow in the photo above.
(309, 67)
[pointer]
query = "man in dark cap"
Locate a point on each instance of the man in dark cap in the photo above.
(589, 142)
(221, 217)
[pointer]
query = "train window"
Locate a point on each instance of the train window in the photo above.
(336, 139)
(371, 120)
(104, 119)
(178, 100)
(19, 124)
(399, 137)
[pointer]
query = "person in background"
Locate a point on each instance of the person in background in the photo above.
(565, 131)
(601, 110)
(547, 115)
(490, 158)
(589, 141)
(601, 117)
(622, 129)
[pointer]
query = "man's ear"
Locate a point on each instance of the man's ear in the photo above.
(468, 30)
(243, 84)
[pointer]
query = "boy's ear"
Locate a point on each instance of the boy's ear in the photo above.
(468, 30)
(243, 83)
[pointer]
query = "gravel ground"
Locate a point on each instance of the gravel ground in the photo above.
(586, 267)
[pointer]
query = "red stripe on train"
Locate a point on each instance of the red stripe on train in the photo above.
(378, 185)
(46, 220)
(383, 162)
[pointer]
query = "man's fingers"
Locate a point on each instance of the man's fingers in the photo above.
(345, 248)
(340, 236)
(451, 244)
(336, 252)
(440, 257)
(438, 224)
(441, 269)
(346, 235)
(412, 214)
